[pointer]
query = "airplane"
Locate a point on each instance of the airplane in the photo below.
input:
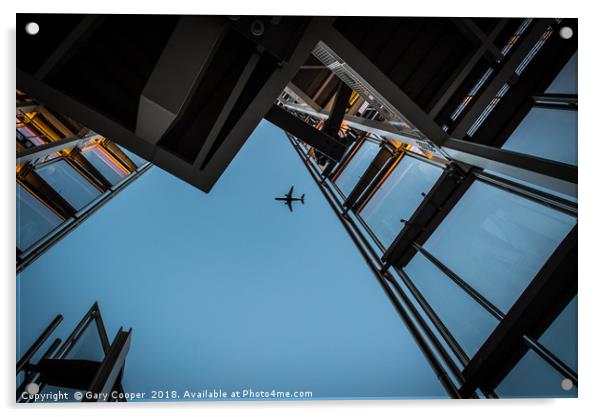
(288, 199)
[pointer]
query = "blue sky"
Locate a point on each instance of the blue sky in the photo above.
(228, 290)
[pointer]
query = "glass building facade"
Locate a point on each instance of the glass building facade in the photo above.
(470, 266)
(64, 173)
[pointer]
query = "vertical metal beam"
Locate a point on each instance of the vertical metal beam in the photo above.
(337, 112)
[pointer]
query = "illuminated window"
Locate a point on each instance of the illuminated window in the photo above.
(72, 186)
(357, 166)
(399, 196)
(105, 164)
(497, 241)
(34, 219)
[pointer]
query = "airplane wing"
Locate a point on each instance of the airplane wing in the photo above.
(289, 203)
(290, 193)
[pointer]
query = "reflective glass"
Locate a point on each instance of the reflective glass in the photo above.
(546, 133)
(561, 337)
(105, 163)
(88, 346)
(398, 197)
(356, 167)
(34, 219)
(133, 157)
(566, 81)
(73, 187)
(533, 377)
(497, 241)
(467, 321)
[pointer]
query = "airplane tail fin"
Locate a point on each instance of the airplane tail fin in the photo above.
(303, 199)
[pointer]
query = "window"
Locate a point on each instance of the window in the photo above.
(34, 219)
(547, 133)
(399, 196)
(133, 157)
(533, 377)
(561, 337)
(497, 241)
(357, 166)
(467, 321)
(566, 81)
(550, 133)
(72, 186)
(105, 164)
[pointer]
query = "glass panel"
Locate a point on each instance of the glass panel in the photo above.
(26, 136)
(566, 81)
(357, 166)
(561, 337)
(133, 157)
(546, 133)
(88, 346)
(534, 186)
(105, 163)
(534, 377)
(398, 197)
(34, 219)
(467, 321)
(72, 186)
(498, 241)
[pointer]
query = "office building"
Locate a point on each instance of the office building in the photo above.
(65, 172)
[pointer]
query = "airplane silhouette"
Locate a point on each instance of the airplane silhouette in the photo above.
(288, 199)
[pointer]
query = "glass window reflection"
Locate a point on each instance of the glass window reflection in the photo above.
(34, 219)
(398, 197)
(105, 164)
(72, 186)
(566, 81)
(467, 321)
(498, 241)
(561, 337)
(546, 133)
(357, 166)
(533, 377)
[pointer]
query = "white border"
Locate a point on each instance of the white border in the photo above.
(590, 202)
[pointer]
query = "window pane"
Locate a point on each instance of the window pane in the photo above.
(68, 183)
(467, 321)
(88, 346)
(34, 219)
(547, 133)
(104, 163)
(533, 377)
(566, 81)
(356, 167)
(561, 337)
(133, 157)
(399, 196)
(534, 186)
(498, 241)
